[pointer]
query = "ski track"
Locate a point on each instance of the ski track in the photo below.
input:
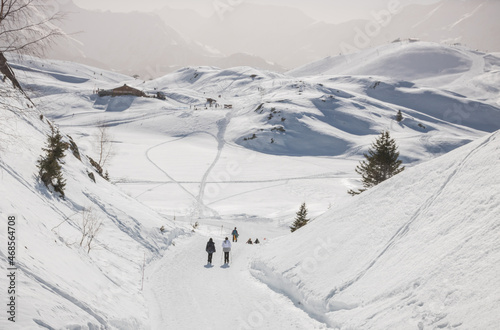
(172, 180)
(247, 192)
(321, 176)
(221, 125)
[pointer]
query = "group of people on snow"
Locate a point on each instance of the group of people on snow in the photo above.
(226, 246)
(250, 241)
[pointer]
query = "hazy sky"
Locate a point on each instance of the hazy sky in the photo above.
(326, 10)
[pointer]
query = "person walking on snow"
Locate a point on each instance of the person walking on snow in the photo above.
(210, 249)
(235, 235)
(226, 247)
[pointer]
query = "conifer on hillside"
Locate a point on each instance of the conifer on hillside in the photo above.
(50, 170)
(382, 162)
(300, 218)
(399, 116)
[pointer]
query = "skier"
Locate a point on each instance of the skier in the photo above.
(257, 241)
(226, 247)
(210, 250)
(235, 235)
(249, 241)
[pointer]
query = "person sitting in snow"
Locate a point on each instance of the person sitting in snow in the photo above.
(257, 241)
(235, 235)
(226, 247)
(210, 249)
(249, 241)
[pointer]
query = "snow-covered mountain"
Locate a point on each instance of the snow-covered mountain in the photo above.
(278, 116)
(453, 68)
(416, 251)
(470, 22)
(271, 37)
(289, 37)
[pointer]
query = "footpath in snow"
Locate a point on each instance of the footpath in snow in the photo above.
(184, 292)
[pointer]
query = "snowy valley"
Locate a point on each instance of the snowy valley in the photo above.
(242, 147)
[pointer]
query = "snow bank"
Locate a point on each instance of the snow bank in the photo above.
(418, 251)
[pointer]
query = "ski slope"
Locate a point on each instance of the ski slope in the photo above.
(395, 257)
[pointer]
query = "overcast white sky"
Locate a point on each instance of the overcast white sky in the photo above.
(326, 10)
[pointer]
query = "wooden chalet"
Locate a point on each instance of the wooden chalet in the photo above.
(122, 91)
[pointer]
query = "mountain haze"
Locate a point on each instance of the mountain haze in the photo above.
(136, 44)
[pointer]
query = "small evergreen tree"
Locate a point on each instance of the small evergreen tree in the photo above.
(50, 165)
(399, 116)
(381, 163)
(300, 219)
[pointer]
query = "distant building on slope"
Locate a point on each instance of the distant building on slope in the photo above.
(121, 91)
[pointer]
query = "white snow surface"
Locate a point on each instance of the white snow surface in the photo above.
(418, 251)
(59, 284)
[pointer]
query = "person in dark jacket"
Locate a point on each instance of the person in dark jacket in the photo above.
(257, 241)
(210, 249)
(235, 235)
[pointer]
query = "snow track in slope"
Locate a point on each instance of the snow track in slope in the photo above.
(221, 125)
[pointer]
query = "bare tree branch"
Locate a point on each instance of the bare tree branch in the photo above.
(26, 26)
(104, 144)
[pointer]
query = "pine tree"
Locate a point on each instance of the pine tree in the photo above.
(50, 169)
(399, 116)
(300, 218)
(381, 163)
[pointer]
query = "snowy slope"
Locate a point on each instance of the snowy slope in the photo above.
(418, 251)
(454, 68)
(59, 284)
(395, 257)
(190, 158)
